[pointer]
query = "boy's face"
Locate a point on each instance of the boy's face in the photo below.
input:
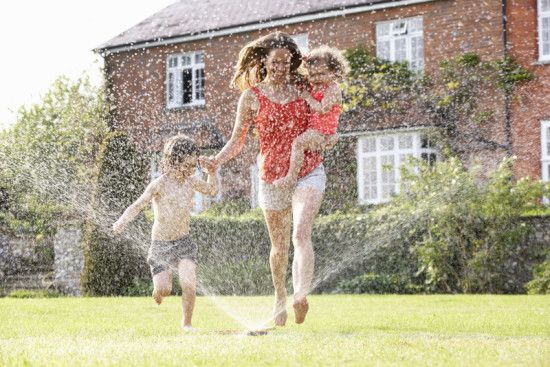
(188, 166)
(319, 73)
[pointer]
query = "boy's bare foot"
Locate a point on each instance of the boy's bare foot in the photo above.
(157, 297)
(286, 181)
(300, 310)
(188, 328)
(279, 313)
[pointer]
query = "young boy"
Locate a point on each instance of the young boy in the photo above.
(172, 197)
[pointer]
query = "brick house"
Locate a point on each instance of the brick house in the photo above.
(170, 73)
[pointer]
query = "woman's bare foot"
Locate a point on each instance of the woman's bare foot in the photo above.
(300, 310)
(279, 312)
(157, 297)
(286, 181)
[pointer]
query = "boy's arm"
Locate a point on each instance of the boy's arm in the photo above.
(210, 187)
(332, 96)
(133, 210)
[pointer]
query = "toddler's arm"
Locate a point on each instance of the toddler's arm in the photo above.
(312, 139)
(331, 97)
(133, 210)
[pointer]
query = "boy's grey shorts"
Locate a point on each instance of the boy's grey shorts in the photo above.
(272, 197)
(164, 255)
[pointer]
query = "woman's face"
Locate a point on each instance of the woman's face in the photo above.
(278, 64)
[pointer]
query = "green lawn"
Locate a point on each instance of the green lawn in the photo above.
(340, 330)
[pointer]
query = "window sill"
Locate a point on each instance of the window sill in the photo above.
(541, 62)
(185, 107)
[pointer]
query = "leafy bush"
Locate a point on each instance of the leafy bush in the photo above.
(372, 283)
(467, 234)
(111, 265)
(28, 293)
(541, 279)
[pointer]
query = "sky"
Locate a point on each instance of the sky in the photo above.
(43, 39)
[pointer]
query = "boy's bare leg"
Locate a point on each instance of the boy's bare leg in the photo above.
(306, 202)
(188, 282)
(309, 140)
(278, 226)
(162, 285)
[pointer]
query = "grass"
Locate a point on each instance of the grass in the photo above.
(340, 330)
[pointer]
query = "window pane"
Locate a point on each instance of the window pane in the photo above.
(544, 5)
(382, 29)
(369, 145)
(386, 143)
(186, 60)
(424, 141)
(383, 50)
(415, 25)
(398, 28)
(417, 53)
(187, 85)
(170, 86)
(400, 49)
(405, 142)
(199, 58)
(199, 84)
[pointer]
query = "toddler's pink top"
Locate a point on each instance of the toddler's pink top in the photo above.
(325, 123)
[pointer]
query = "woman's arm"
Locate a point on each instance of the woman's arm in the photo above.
(332, 96)
(133, 210)
(246, 112)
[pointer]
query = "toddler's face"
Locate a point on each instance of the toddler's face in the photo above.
(189, 165)
(319, 74)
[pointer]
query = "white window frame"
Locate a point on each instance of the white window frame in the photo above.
(541, 16)
(399, 156)
(545, 150)
(400, 29)
(175, 65)
(302, 40)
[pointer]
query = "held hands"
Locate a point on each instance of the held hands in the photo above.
(210, 164)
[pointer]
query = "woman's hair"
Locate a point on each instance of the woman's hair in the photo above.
(251, 68)
(176, 150)
(331, 57)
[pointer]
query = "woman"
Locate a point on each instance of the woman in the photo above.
(270, 84)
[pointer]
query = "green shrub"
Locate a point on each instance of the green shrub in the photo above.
(467, 234)
(372, 283)
(541, 279)
(112, 264)
(28, 293)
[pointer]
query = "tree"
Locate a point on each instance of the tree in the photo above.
(46, 157)
(113, 264)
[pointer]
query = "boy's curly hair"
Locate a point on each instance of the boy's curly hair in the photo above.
(177, 149)
(332, 57)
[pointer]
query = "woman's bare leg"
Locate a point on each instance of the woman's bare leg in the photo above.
(188, 282)
(278, 226)
(306, 202)
(162, 285)
(308, 140)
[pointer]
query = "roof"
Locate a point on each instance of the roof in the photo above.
(189, 17)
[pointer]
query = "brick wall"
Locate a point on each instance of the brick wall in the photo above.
(531, 103)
